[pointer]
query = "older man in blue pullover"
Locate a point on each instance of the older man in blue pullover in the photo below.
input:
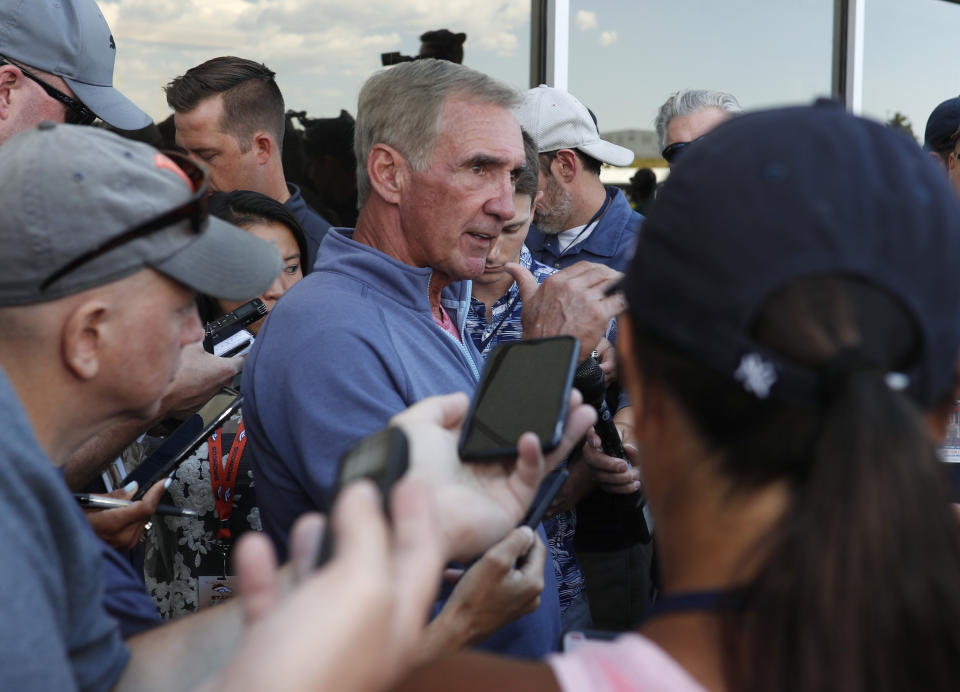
(380, 323)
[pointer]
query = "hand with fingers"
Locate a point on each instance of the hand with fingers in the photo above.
(373, 597)
(573, 301)
(121, 528)
(504, 584)
(607, 357)
(479, 502)
(615, 476)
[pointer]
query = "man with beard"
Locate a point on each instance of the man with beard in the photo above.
(578, 218)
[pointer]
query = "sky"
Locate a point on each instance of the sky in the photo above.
(626, 56)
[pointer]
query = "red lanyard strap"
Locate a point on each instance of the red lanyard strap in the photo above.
(224, 479)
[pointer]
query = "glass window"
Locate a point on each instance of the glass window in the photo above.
(626, 58)
(909, 58)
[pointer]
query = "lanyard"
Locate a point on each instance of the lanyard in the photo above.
(594, 219)
(224, 479)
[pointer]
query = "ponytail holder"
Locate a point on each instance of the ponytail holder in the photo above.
(835, 374)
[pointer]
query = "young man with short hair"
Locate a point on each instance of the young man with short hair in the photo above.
(229, 114)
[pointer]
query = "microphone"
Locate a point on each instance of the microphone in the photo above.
(589, 379)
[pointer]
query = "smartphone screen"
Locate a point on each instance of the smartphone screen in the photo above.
(185, 439)
(524, 387)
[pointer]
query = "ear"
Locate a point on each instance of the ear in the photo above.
(9, 78)
(536, 201)
(388, 171)
(83, 339)
(264, 146)
(566, 165)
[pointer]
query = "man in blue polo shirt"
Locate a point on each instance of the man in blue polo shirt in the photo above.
(578, 218)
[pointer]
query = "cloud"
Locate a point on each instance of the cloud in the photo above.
(586, 20)
(322, 50)
(608, 38)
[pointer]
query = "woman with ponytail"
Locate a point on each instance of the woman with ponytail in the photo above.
(791, 347)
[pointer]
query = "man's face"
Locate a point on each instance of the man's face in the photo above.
(686, 128)
(506, 248)
(159, 317)
(455, 209)
(554, 207)
(198, 131)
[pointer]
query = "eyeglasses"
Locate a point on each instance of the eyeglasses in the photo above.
(195, 210)
(673, 151)
(77, 113)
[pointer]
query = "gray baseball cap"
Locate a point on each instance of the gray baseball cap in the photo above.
(68, 189)
(70, 39)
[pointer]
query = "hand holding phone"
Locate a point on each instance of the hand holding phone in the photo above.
(183, 441)
(382, 458)
(479, 503)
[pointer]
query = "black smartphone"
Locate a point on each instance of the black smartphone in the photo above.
(382, 457)
(183, 441)
(524, 387)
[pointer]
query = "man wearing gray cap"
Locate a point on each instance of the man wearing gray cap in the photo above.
(103, 244)
(56, 63)
(577, 218)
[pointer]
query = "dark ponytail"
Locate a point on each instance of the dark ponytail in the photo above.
(859, 587)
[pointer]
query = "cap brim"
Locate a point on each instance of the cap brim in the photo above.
(110, 105)
(607, 152)
(224, 262)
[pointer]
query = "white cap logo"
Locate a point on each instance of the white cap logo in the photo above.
(756, 374)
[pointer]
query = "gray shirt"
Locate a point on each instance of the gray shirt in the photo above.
(54, 634)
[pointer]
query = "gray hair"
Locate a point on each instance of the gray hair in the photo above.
(401, 107)
(683, 103)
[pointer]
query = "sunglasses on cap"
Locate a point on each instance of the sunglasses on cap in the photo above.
(673, 151)
(77, 113)
(195, 210)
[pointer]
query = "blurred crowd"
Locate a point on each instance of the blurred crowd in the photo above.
(214, 324)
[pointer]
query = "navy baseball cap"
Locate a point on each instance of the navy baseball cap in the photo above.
(942, 125)
(775, 196)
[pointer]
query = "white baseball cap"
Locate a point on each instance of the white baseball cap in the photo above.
(557, 120)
